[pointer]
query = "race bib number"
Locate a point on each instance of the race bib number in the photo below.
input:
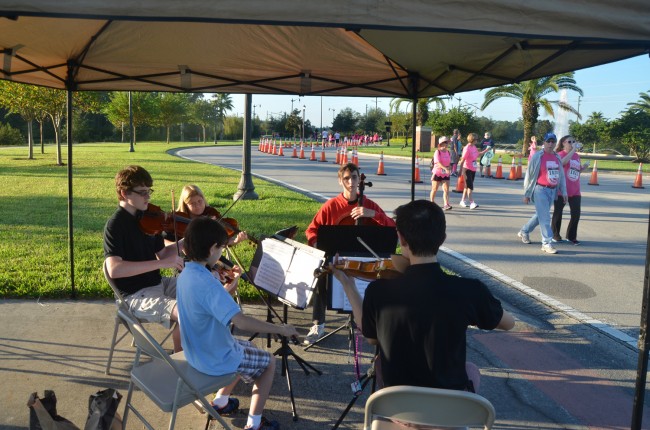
(574, 171)
(552, 172)
(474, 164)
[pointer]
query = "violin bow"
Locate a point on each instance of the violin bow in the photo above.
(365, 245)
(233, 204)
(178, 247)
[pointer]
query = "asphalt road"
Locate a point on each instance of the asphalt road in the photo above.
(602, 279)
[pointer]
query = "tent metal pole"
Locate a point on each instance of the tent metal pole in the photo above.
(414, 91)
(246, 189)
(70, 88)
(642, 365)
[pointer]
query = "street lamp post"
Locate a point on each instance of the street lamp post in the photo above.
(333, 110)
(303, 122)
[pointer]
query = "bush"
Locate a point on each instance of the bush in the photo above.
(10, 135)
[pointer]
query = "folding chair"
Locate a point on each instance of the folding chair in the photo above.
(121, 303)
(403, 406)
(168, 380)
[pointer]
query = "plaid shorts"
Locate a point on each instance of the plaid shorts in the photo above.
(254, 363)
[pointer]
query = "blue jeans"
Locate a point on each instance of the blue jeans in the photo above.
(543, 199)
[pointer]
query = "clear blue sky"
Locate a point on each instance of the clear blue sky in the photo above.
(607, 89)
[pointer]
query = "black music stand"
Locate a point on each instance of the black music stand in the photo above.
(297, 300)
(343, 239)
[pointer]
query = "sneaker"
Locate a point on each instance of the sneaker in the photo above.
(473, 205)
(230, 408)
(315, 333)
(575, 242)
(266, 425)
(463, 204)
(446, 207)
(524, 237)
(548, 248)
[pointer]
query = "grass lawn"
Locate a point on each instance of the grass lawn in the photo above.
(34, 249)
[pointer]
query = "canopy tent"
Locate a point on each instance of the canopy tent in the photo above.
(325, 47)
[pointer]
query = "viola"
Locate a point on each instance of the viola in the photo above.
(156, 221)
(383, 268)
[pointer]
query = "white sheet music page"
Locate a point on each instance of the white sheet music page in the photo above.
(275, 262)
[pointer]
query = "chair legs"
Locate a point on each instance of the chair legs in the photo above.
(114, 341)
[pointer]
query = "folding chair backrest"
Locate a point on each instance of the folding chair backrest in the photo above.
(143, 340)
(427, 407)
(119, 299)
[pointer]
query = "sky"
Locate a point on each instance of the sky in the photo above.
(606, 88)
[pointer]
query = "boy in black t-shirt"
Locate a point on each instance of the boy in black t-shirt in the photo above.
(420, 319)
(134, 259)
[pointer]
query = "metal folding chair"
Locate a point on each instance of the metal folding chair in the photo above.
(121, 303)
(168, 380)
(395, 407)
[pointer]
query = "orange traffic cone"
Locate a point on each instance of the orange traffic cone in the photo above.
(460, 185)
(417, 171)
(638, 182)
(513, 170)
(519, 172)
(344, 156)
(322, 155)
(488, 171)
(380, 168)
(594, 175)
(295, 152)
(312, 157)
(499, 170)
(338, 156)
(302, 151)
(355, 157)
(280, 151)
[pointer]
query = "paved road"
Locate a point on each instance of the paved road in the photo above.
(602, 278)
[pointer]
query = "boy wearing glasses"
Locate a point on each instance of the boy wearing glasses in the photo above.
(134, 259)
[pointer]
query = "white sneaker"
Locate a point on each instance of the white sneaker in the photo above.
(462, 204)
(524, 237)
(548, 248)
(473, 205)
(316, 332)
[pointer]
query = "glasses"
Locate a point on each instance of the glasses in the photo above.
(143, 193)
(570, 142)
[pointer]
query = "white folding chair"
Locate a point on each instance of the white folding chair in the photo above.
(168, 380)
(120, 302)
(407, 407)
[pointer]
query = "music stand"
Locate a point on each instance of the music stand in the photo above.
(277, 265)
(343, 239)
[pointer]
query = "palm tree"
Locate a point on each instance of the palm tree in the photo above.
(222, 103)
(532, 94)
(422, 114)
(643, 104)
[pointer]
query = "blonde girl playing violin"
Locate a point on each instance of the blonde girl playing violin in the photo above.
(192, 202)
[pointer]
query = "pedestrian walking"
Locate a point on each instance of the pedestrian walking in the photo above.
(567, 149)
(440, 172)
(468, 166)
(543, 183)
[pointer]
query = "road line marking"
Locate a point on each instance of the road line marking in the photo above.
(547, 300)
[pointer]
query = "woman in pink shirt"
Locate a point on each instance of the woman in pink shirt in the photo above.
(566, 150)
(468, 169)
(440, 170)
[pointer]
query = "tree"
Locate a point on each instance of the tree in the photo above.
(294, 123)
(346, 121)
(373, 121)
(462, 118)
(202, 113)
(21, 99)
(532, 95)
(117, 110)
(595, 130)
(422, 109)
(222, 103)
(643, 104)
(171, 109)
(633, 129)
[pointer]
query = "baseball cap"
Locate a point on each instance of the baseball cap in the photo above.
(442, 139)
(549, 136)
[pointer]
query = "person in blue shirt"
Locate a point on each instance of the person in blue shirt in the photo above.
(205, 311)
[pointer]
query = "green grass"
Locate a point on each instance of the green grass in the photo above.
(34, 229)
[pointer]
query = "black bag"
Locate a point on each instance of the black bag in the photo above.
(43, 414)
(102, 410)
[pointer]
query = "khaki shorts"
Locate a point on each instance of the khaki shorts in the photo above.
(154, 304)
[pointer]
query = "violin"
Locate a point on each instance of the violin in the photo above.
(229, 224)
(156, 221)
(383, 268)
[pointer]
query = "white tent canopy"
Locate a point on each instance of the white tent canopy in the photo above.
(324, 47)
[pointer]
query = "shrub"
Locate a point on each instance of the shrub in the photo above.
(10, 135)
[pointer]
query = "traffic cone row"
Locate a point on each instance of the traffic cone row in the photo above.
(499, 170)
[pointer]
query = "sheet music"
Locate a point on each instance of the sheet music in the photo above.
(339, 298)
(286, 269)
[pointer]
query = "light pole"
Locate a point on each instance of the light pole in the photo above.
(333, 110)
(255, 106)
(303, 122)
(294, 100)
